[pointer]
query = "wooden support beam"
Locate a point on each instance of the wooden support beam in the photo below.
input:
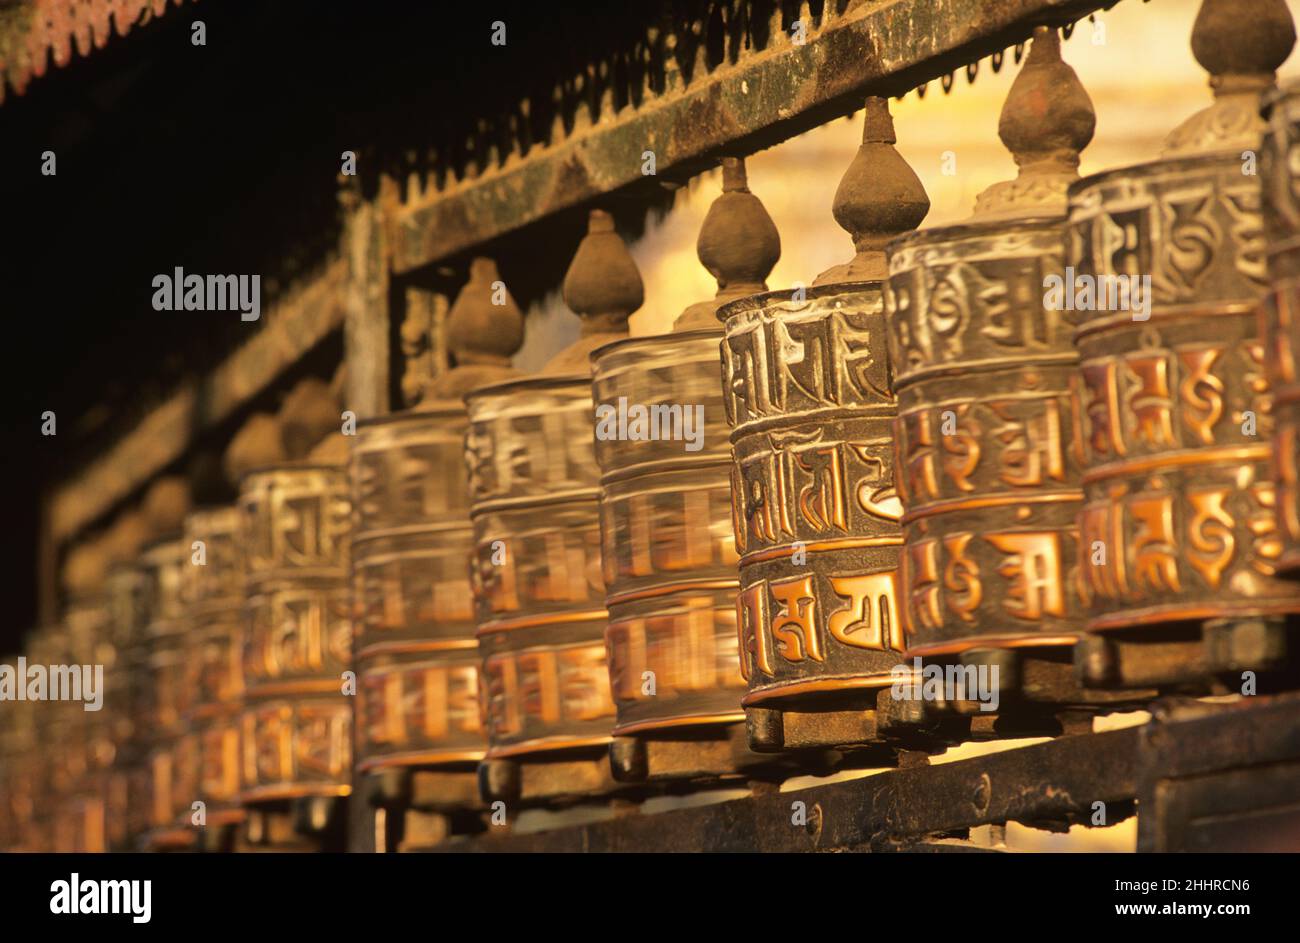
(764, 97)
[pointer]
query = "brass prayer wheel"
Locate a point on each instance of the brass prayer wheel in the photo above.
(987, 448)
(1279, 168)
(61, 761)
(1167, 262)
(86, 618)
(126, 803)
(168, 683)
(808, 391)
(19, 775)
(538, 591)
(212, 590)
(668, 549)
(420, 736)
(294, 531)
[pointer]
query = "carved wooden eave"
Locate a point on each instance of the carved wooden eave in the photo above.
(751, 100)
(36, 33)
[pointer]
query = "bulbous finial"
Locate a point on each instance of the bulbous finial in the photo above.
(84, 569)
(738, 244)
(879, 198)
(308, 414)
(603, 287)
(484, 329)
(165, 505)
(127, 535)
(1240, 43)
(258, 443)
(1046, 121)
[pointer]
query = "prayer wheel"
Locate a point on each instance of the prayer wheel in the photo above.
(668, 549)
(294, 532)
(60, 762)
(419, 732)
(19, 774)
(167, 683)
(126, 803)
(212, 589)
(1165, 268)
(538, 591)
(86, 618)
(986, 441)
(807, 385)
(1279, 168)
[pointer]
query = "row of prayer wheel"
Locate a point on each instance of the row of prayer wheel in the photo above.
(1055, 445)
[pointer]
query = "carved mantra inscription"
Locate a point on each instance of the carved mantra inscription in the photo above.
(1177, 412)
(815, 511)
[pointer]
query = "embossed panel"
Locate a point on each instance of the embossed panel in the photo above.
(814, 506)
(987, 438)
(1176, 411)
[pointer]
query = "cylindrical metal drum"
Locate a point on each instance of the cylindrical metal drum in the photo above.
(169, 693)
(295, 726)
(126, 804)
(1165, 270)
(668, 555)
(1279, 167)
(19, 773)
(86, 618)
(987, 445)
(668, 549)
(212, 588)
(807, 385)
(416, 655)
(59, 761)
(538, 591)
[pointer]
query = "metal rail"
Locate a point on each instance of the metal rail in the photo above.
(1165, 765)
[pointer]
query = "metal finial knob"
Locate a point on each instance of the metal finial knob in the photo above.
(484, 329)
(603, 285)
(165, 505)
(1240, 43)
(84, 568)
(1046, 121)
(126, 536)
(879, 198)
(309, 413)
(738, 244)
(258, 443)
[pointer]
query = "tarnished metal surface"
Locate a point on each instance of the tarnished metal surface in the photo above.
(807, 389)
(127, 801)
(86, 619)
(416, 656)
(667, 546)
(1279, 168)
(667, 542)
(212, 588)
(987, 440)
(987, 453)
(34, 33)
(1179, 524)
(1175, 409)
(170, 759)
(539, 595)
(295, 730)
(1245, 751)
